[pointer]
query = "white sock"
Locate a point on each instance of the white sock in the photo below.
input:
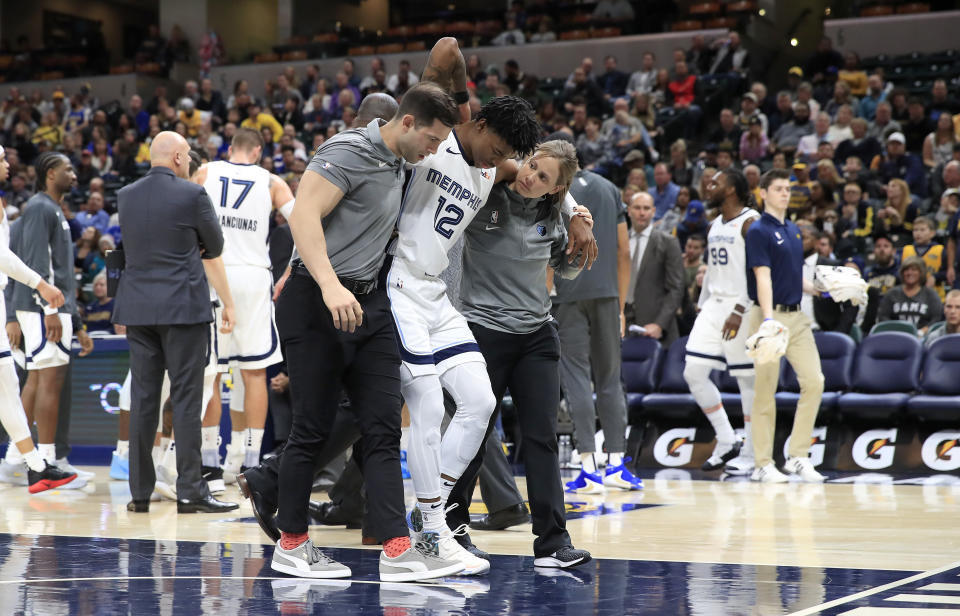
(588, 462)
(721, 425)
(238, 440)
(33, 459)
(445, 491)
(614, 459)
(169, 455)
(210, 446)
(155, 454)
(13, 454)
(123, 449)
(48, 451)
(434, 519)
(164, 444)
(253, 442)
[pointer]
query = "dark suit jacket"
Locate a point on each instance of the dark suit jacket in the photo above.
(659, 289)
(165, 222)
(831, 316)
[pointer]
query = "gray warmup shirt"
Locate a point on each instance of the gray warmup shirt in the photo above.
(42, 241)
(603, 198)
(507, 249)
(371, 177)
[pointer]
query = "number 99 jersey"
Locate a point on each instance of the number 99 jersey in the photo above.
(726, 255)
(442, 196)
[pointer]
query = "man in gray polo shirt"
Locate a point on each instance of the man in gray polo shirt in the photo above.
(338, 334)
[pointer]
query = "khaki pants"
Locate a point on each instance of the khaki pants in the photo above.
(805, 360)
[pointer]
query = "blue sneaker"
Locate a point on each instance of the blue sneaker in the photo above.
(404, 470)
(585, 483)
(620, 477)
(119, 468)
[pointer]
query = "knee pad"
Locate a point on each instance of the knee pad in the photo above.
(698, 380)
(469, 386)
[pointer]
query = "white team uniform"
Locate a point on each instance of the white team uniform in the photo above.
(442, 196)
(724, 284)
(241, 198)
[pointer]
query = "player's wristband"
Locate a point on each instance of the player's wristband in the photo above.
(48, 310)
(461, 97)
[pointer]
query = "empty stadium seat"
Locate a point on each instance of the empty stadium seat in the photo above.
(894, 326)
(641, 364)
(939, 398)
(837, 352)
(885, 373)
(672, 398)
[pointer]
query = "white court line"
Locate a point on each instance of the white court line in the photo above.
(872, 591)
(900, 611)
(938, 599)
(941, 587)
(216, 577)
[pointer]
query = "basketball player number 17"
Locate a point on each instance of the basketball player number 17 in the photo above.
(447, 221)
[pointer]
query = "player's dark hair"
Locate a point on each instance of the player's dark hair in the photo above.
(740, 185)
(774, 174)
(514, 120)
(246, 139)
(427, 103)
(195, 162)
(44, 163)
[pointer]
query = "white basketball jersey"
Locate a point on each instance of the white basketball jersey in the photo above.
(241, 198)
(726, 255)
(5, 239)
(442, 196)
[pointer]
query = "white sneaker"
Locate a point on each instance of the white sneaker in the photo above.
(306, 560)
(803, 468)
(166, 484)
(450, 549)
(233, 462)
(769, 474)
(420, 562)
(741, 465)
(15, 474)
(64, 465)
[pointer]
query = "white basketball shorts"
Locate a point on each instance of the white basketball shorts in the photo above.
(706, 344)
(253, 343)
(41, 353)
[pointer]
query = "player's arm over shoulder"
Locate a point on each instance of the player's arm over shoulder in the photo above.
(446, 66)
(507, 171)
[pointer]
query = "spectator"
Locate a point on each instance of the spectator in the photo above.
(376, 64)
(728, 132)
(752, 175)
(645, 79)
(587, 65)
(88, 261)
(800, 189)
(240, 90)
(749, 109)
(681, 170)
(782, 113)
(754, 142)
(309, 84)
(97, 314)
(93, 214)
(932, 253)
(190, 117)
(511, 35)
(49, 130)
(699, 55)
(613, 82)
(899, 104)
(917, 126)
(629, 191)
(587, 89)
(852, 74)
(840, 129)
(951, 314)
(544, 33)
(349, 69)
(860, 145)
(669, 221)
(912, 301)
(805, 96)
(290, 114)
(938, 145)
(591, 146)
(643, 110)
(578, 124)
(898, 164)
(694, 221)
(664, 191)
(731, 56)
(941, 101)
(725, 158)
(895, 218)
(513, 76)
(85, 170)
(883, 123)
(614, 10)
(884, 274)
(18, 193)
(102, 160)
(948, 176)
(339, 100)
(949, 205)
(693, 250)
(681, 95)
(787, 137)
(639, 174)
(259, 121)
(152, 47)
(856, 216)
(824, 58)
(874, 95)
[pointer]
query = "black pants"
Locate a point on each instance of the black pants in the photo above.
(322, 361)
(182, 351)
(529, 365)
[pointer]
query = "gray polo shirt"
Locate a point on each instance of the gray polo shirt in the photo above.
(603, 198)
(371, 177)
(507, 249)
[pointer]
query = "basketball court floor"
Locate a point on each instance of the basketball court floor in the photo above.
(860, 545)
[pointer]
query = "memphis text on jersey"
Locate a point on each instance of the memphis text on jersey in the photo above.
(453, 188)
(237, 222)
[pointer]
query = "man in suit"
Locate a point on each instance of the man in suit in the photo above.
(656, 274)
(167, 223)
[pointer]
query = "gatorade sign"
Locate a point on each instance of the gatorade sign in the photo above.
(675, 447)
(941, 451)
(874, 449)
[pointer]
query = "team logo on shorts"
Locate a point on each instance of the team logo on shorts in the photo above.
(542, 230)
(495, 216)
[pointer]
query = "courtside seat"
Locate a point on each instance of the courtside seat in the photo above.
(939, 398)
(885, 374)
(837, 352)
(641, 363)
(672, 398)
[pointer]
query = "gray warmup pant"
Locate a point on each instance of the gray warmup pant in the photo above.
(590, 336)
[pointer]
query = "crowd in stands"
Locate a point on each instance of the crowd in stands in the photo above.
(876, 168)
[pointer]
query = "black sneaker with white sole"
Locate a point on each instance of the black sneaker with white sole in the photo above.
(563, 558)
(722, 454)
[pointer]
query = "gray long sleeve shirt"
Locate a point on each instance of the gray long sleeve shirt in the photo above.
(508, 247)
(41, 238)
